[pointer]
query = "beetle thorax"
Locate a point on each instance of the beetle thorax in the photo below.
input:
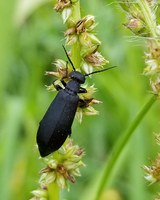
(79, 77)
(73, 86)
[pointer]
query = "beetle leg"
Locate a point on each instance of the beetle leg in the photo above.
(82, 90)
(63, 83)
(84, 103)
(57, 87)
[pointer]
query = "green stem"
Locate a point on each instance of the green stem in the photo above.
(53, 191)
(76, 14)
(76, 57)
(119, 147)
(148, 17)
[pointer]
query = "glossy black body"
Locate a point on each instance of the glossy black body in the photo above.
(56, 124)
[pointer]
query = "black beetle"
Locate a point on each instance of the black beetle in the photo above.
(56, 124)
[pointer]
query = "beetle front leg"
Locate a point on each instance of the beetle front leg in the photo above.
(82, 90)
(83, 103)
(63, 82)
(57, 87)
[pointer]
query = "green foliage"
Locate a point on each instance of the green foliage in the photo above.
(29, 44)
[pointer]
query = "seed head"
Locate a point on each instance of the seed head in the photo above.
(136, 25)
(153, 172)
(62, 167)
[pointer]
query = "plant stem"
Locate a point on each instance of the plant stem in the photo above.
(119, 147)
(76, 57)
(76, 14)
(148, 16)
(53, 191)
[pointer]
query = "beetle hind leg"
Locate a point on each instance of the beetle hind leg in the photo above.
(83, 103)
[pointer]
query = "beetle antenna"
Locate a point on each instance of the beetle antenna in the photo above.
(100, 70)
(69, 58)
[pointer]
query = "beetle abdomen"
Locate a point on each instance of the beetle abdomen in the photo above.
(56, 123)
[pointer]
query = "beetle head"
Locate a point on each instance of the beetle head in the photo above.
(77, 76)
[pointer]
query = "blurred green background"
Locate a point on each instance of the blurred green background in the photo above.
(31, 38)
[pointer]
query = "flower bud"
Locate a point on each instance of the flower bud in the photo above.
(39, 193)
(61, 4)
(71, 39)
(70, 31)
(86, 24)
(88, 40)
(61, 69)
(61, 182)
(48, 178)
(155, 86)
(149, 177)
(89, 22)
(135, 25)
(50, 88)
(52, 73)
(86, 67)
(62, 150)
(75, 158)
(96, 59)
(66, 13)
(76, 172)
(90, 91)
(95, 101)
(152, 67)
(85, 51)
(91, 111)
(52, 164)
(60, 64)
(153, 172)
(79, 115)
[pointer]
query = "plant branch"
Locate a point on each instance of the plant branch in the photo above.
(119, 147)
(53, 191)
